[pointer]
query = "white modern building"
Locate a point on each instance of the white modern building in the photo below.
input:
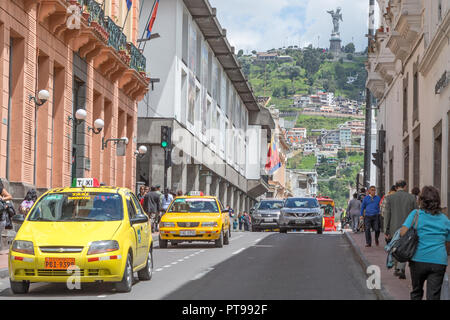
(219, 131)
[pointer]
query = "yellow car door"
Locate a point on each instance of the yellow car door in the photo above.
(146, 227)
(138, 228)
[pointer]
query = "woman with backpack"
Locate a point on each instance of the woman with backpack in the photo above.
(429, 262)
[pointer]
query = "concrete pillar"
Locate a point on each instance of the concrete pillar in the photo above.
(215, 188)
(223, 191)
(231, 198)
(193, 178)
(208, 184)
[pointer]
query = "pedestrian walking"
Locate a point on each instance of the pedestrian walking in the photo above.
(370, 211)
(141, 194)
(166, 200)
(152, 206)
(429, 262)
(416, 191)
(28, 201)
(4, 196)
(241, 220)
(354, 211)
(383, 207)
(397, 208)
(247, 221)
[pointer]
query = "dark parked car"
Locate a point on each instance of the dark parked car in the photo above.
(266, 213)
(301, 214)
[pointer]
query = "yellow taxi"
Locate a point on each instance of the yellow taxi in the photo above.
(195, 218)
(86, 233)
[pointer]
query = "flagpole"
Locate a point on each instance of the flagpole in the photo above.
(126, 17)
(146, 25)
(149, 22)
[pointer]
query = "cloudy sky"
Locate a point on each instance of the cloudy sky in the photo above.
(266, 24)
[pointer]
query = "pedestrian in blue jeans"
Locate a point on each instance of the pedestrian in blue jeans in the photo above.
(429, 262)
(370, 211)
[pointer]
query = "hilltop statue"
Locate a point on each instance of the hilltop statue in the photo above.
(336, 17)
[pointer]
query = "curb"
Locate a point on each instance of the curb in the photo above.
(382, 293)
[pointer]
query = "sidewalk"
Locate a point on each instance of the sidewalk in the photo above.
(393, 288)
(4, 263)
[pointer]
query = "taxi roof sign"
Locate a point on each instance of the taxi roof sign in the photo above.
(85, 182)
(195, 193)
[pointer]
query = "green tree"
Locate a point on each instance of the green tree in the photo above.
(240, 53)
(341, 154)
(349, 48)
(349, 56)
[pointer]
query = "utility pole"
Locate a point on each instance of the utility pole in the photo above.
(367, 137)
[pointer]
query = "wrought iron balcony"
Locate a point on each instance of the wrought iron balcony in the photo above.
(96, 12)
(137, 61)
(117, 39)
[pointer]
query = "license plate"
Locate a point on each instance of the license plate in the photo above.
(268, 220)
(59, 263)
(187, 233)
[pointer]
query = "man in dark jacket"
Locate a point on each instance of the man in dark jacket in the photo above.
(398, 206)
(152, 204)
(370, 212)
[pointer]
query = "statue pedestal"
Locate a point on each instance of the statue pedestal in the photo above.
(335, 44)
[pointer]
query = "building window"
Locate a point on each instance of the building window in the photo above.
(192, 99)
(406, 160)
(437, 155)
(185, 38)
(416, 97)
(416, 159)
(405, 104)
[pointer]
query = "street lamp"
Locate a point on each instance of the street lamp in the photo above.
(116, 141)
(99, 124)
(42, 98)
(80, 116)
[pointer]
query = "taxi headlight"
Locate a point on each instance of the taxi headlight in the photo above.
(23, 247)
(97, 247)
(209, 224)
(168, 224)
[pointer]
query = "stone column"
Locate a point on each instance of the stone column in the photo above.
(231, 198)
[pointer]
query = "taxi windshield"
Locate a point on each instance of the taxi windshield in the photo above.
(194, 205)
(78, 206)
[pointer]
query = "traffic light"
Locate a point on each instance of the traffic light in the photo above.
(166, 133)
(378, 159)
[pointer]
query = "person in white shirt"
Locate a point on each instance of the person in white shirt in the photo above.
(166, 200)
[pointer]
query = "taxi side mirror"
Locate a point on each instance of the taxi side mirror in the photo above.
(139, 219)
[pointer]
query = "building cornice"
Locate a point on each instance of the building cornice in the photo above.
(433, 50)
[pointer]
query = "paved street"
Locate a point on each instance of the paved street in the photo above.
(253, 266)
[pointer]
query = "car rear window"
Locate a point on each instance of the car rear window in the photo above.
(194, 205)
(270, 205)
(78, 206)
(301, 203)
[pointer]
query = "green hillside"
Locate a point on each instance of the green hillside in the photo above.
(311, 70)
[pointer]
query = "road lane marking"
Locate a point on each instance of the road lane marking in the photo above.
(180, 260)
(262, 246)
(257, 240)
(159, 269)
(174, 262)
(102, 296)
(167, 266)
(203, 273)
(239, 251)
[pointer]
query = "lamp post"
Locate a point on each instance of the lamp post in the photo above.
(42, 97)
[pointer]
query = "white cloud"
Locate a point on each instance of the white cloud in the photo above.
(265, 24)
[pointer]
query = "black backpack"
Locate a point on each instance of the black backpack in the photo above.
(405, 248)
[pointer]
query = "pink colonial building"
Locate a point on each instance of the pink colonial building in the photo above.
(76, 51)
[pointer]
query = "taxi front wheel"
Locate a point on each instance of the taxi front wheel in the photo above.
(146, 273)
(219, 242)
(127, 279)
(19, 287)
